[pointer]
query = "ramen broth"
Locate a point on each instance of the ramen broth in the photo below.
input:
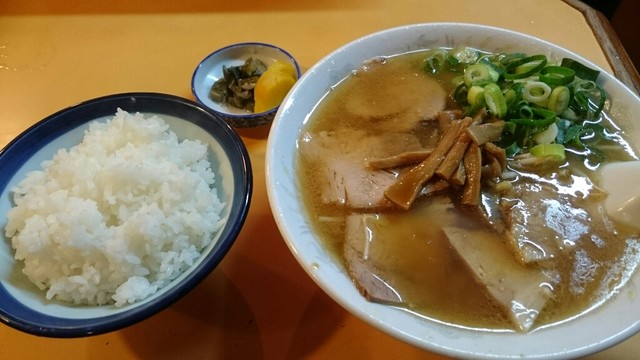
(427, 273)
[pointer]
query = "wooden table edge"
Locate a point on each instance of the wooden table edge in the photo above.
(615, 53)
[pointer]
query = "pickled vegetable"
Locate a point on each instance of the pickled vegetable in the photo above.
(273, 86)
(236, 87)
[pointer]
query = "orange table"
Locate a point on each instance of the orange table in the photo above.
(259, 304)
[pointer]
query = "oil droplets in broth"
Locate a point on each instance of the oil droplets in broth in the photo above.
(410, 259)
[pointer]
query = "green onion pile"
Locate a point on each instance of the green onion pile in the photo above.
(548, 108)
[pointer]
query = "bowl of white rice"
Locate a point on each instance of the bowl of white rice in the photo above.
(113, 209)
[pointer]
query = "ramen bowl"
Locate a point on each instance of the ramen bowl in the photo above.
(23, 305)
(209, 70)
(612, 322)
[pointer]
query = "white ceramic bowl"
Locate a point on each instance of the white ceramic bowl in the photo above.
(210, 70)
(22, 305)
(605, 326)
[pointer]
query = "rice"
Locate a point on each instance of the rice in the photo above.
(117, 217)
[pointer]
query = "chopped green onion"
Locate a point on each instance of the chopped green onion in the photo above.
(533, 122)
(572, 132)
(541, 118)
(460, 93)
(547, 135)
(544, 113)
(513, 95)
(601, 100)
(524, 67)
(477, 74)
(541, 102)
(435, 61)
(587, 93)
(457, 80)
(507, 59)
(495, 70)
(510, 97)
(536, 92)
(591, 133)
(451, 60)
(559, 99)
(465, 55)
(585, 85)
(563, 125)
(555, 151)
(570, 114)
(524, 110)
(495, 100)
(553, 75)
(581, 71)
(475, 95)
(510, 127)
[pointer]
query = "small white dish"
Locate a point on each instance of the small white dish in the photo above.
(210, 70)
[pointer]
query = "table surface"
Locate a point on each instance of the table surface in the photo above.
(258, 303)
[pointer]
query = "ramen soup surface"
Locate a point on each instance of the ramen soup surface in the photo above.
(562, 254)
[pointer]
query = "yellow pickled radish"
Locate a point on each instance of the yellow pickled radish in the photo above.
(284, 67)
(273, 85)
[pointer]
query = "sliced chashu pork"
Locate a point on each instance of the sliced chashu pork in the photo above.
(544, 218)
(340, 158)
(523, 291)
(373, 266)
(398, 103)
